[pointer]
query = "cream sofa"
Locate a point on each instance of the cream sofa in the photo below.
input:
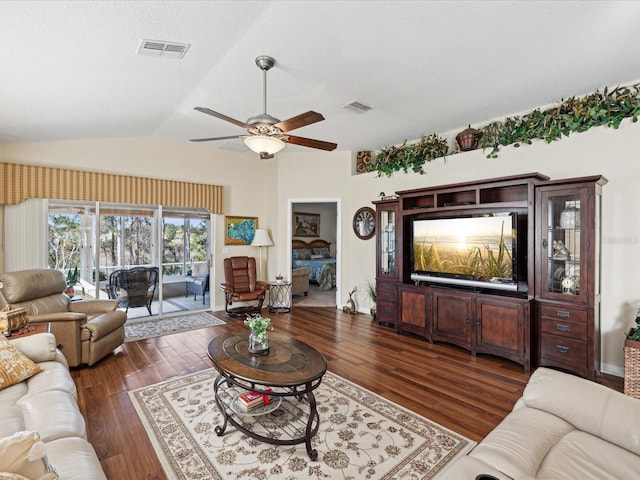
(86, 331)
(46, 403)
(563, 427)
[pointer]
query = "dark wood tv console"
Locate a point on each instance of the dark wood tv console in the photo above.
(512, 324)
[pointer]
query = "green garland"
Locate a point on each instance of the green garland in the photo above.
(608, 107)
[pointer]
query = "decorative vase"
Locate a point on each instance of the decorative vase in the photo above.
(70, 291)
(468, 139)
(258, 344)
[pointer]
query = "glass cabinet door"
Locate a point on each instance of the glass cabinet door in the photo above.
(388, 242)
(563, 248)
(387, 219)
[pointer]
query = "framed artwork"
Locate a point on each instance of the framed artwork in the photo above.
(239, 230)
(306, 224)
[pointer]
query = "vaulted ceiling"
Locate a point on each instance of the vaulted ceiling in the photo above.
(71, 70)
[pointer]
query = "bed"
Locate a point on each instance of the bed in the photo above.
(316, 256)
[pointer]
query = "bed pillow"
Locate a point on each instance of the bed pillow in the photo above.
(24, 453)
(316, 257)
(301, 254)
(14, 366)
(324, 252)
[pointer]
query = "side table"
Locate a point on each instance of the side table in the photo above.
(30, 329)
(280, 297)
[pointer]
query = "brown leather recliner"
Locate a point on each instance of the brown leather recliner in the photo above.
(241, 285)
(85, 331)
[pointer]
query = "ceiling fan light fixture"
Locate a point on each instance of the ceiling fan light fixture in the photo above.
(264, 144)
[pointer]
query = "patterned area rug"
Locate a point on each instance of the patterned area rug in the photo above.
(361, 436)
(167, 326)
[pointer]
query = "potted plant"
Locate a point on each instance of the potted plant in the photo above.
(258, 338)
(632, 360)
(370, 290)
(73, 277)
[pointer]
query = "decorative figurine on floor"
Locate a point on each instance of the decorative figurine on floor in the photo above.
(351, 304)
(560, 250)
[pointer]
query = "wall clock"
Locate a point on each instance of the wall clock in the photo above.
(364, 223)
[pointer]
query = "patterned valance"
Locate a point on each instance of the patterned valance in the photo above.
(19, 182)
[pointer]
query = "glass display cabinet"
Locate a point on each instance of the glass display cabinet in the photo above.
(568, 241)
(387, 268)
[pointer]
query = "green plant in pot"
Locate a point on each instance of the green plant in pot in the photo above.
(73, 278)
(258, 338)
(634, 332)
(370, 290)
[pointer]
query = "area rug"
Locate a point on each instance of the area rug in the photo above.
(167, 326)
(361, 436)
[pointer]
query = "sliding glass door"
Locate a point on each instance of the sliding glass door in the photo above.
(114, 237)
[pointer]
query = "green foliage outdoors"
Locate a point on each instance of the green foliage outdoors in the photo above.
(125, 240)
(607, 107)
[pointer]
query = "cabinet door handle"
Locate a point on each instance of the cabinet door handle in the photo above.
(468, 320)
(478, 321)
(562, 349)
(387, 310)
(563, 328)
(563, 314)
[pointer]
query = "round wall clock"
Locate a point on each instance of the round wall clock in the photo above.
(364, 223)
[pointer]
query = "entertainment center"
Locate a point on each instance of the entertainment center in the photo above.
(507, 266)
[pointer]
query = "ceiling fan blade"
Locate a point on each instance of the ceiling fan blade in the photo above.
(215, 138)
(299, 121)
(221, 116)
(310, 142)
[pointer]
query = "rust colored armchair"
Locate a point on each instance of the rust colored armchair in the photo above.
(240, 285)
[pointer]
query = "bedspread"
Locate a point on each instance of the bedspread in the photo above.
(321, 270)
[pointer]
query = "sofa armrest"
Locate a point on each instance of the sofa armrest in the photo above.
(92, 307)
(40, 347)
(57, 317)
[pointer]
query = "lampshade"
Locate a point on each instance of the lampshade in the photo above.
(261, 238)
(264, 144)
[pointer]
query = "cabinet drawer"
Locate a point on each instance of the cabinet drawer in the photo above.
(386, 287)
(561, 312)
(564, 352)
(386, 296)
(386, 312)
(563, 328)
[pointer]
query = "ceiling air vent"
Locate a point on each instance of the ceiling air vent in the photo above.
(159, 48)
(357, 107)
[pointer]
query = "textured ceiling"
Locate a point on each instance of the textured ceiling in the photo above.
(69, 69)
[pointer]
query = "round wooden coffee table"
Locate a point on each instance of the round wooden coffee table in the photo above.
(289, 372)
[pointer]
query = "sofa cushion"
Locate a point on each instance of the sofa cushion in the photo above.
(54, 414)
(40, 347)
(23, 453)
(28, 284)
(519, 444)
(587, 457)
(82, 464)
(590, 407)
(14, 366)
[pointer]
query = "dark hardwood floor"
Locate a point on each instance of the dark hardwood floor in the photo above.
(467, 394)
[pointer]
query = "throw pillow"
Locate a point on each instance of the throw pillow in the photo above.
(12, 476)
(316, 257)
(14, 366)
(24, 453)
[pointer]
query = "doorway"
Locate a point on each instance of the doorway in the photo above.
(326, 212)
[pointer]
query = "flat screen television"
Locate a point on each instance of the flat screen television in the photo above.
(477, 250)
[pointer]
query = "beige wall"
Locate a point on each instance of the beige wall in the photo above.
(265, 188)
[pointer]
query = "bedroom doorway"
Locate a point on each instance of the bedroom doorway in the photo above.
(317, 220)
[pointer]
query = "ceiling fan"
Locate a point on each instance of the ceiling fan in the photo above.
(266, 134)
